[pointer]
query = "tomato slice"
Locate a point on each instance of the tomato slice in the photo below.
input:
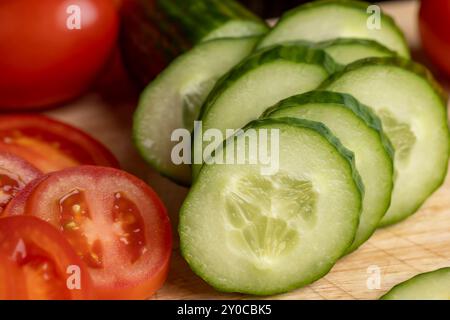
(51, 145)
(15, 173)
(40, 262)
(116, 223)
(12, 280)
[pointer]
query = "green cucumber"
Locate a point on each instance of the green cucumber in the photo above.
(413, 112)
(347, 50)
(245, 232)
(154, 32)
(330, 19)
(433, 285)
(360, 131)
(259, 82)
(173, 100)
(203, 20)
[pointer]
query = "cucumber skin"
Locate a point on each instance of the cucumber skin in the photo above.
(417, 69)
(348, 3)
(347, 100)
(350, 41)
(196, 19)
(344, 152)
(352, 104)
(403, 63)
(154, 32)
(388, 295)
(295, 52)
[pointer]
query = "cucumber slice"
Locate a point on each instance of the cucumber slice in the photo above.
(414, 117)
(173, 100)
(347, 50)
(360, 131)
(245, 232)
(427, 286)
(259, 82)
(330, 19)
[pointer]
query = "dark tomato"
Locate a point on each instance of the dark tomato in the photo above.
(434, 22)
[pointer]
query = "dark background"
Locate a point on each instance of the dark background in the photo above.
(273, 8)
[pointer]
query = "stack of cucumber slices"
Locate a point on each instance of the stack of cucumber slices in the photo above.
(361, 134)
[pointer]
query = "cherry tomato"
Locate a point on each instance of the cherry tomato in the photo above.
(51, 145)
(116, 223)
(40, 262)
(52, 50)
(434, 22)
(15, 173)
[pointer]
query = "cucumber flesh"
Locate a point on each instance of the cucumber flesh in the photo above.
(330, 19)
(427, 286)
(173, 100)
(245, 232)
(414, 117)
(360, 131)
(347, 50)
(259, 82)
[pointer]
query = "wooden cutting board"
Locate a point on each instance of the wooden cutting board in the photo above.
(420, 244)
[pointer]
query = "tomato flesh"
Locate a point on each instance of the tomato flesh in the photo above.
(15, 173)
(41, 257)
(129, 227)
(115, 223)
(51, 145)
(9, 187)
(75, 221)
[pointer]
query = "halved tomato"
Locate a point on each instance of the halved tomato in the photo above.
(116, 223)
(39, 262)
(15, 173)
(51, 145)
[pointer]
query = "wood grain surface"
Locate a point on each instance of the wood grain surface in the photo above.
(422, 243)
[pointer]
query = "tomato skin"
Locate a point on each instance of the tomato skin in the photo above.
(43, 62)
(51, 145)
(120, 279)
(434, 25)
(26, 242)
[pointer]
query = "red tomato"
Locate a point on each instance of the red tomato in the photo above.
(12, 280)
(115, 222)
(51, 145)
(15, 173)
(52, 50)
(16, 206)
(41, 263)
(434, 22)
